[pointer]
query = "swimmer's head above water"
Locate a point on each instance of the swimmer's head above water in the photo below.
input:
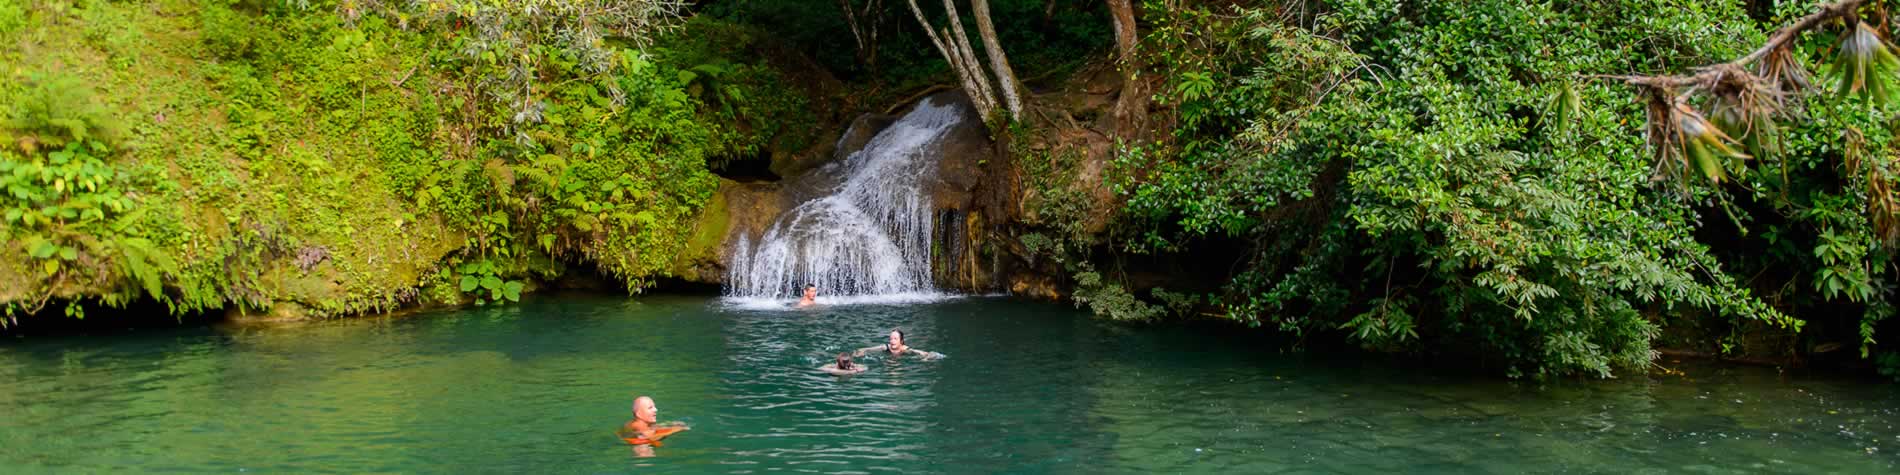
(645, 411)
(844, 361)
(896, 341)
(809, 296)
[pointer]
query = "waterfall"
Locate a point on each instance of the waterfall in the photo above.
(869, 236)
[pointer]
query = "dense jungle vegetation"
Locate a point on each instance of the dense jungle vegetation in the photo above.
(1547, 188)
(342, 155)
(1436, 176)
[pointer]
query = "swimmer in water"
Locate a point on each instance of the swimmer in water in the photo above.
(645, 423)
(810, 298)
(843, 367)
(895, 347)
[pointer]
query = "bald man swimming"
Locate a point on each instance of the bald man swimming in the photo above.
(645, 423)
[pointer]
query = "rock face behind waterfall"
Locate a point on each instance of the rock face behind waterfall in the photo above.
(941, 172)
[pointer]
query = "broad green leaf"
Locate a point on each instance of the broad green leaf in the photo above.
(512, 290)
(43, 249)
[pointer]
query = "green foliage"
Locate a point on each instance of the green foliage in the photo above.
(1889, 365)
(617, 184)
(1041, 38)
(482, 280)
(1242, 84)
(1390, 163)
(1111, 300)
(1054, 200)
(227, 33)
(752, 105)
(68, 210)
(1864, 64)
(507, 45)
(338, 155)
(71, 186)
(12, 16)
(73, 217)
(55, 110)
(1180, 304)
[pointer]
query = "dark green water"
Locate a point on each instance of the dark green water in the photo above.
(1027, 387)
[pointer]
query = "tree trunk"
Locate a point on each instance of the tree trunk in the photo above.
(976, 83)
(999, 63)
(968, 54)
(864, 26)
(967, 72)
(1131, 106)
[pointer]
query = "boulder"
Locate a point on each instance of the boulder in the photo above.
(965, 150)
(859, 133)
(737, 209)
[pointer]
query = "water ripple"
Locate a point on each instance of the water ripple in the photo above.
(540, 387)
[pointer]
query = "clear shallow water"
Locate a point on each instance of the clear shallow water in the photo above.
(1027, 387)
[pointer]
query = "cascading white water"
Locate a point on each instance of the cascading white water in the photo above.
(869, 236)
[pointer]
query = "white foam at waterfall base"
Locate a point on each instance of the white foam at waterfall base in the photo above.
(826, 301)
(868, 241)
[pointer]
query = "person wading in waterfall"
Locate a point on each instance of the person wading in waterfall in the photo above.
(810, 297)
(896, 347)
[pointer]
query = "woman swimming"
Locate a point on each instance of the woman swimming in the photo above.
(896, 347)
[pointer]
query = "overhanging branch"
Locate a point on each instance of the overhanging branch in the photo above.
(1781, 39)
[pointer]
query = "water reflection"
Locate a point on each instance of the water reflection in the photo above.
(1244, 416)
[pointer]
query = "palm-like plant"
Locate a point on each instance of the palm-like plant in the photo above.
(1745, 106)
(1562, 106)
(1704, 145)
(1864, 63)
(1744, 103)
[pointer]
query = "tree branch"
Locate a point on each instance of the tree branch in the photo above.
(1781, 39)
(999, 63)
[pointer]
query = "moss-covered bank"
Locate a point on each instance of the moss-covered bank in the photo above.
(295, 161)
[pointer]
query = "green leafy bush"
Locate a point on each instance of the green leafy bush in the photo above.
(482, 279)
(74, 218)
(53, 111)
(12, 17)
(1389, 161)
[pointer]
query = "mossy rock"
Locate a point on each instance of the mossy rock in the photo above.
(279, 312)
(790, 164)
(13, 278)
(736, 210)
(704, 257)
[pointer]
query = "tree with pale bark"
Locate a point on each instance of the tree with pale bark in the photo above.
(954, 44)
(1132, 104)
(864, 22)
